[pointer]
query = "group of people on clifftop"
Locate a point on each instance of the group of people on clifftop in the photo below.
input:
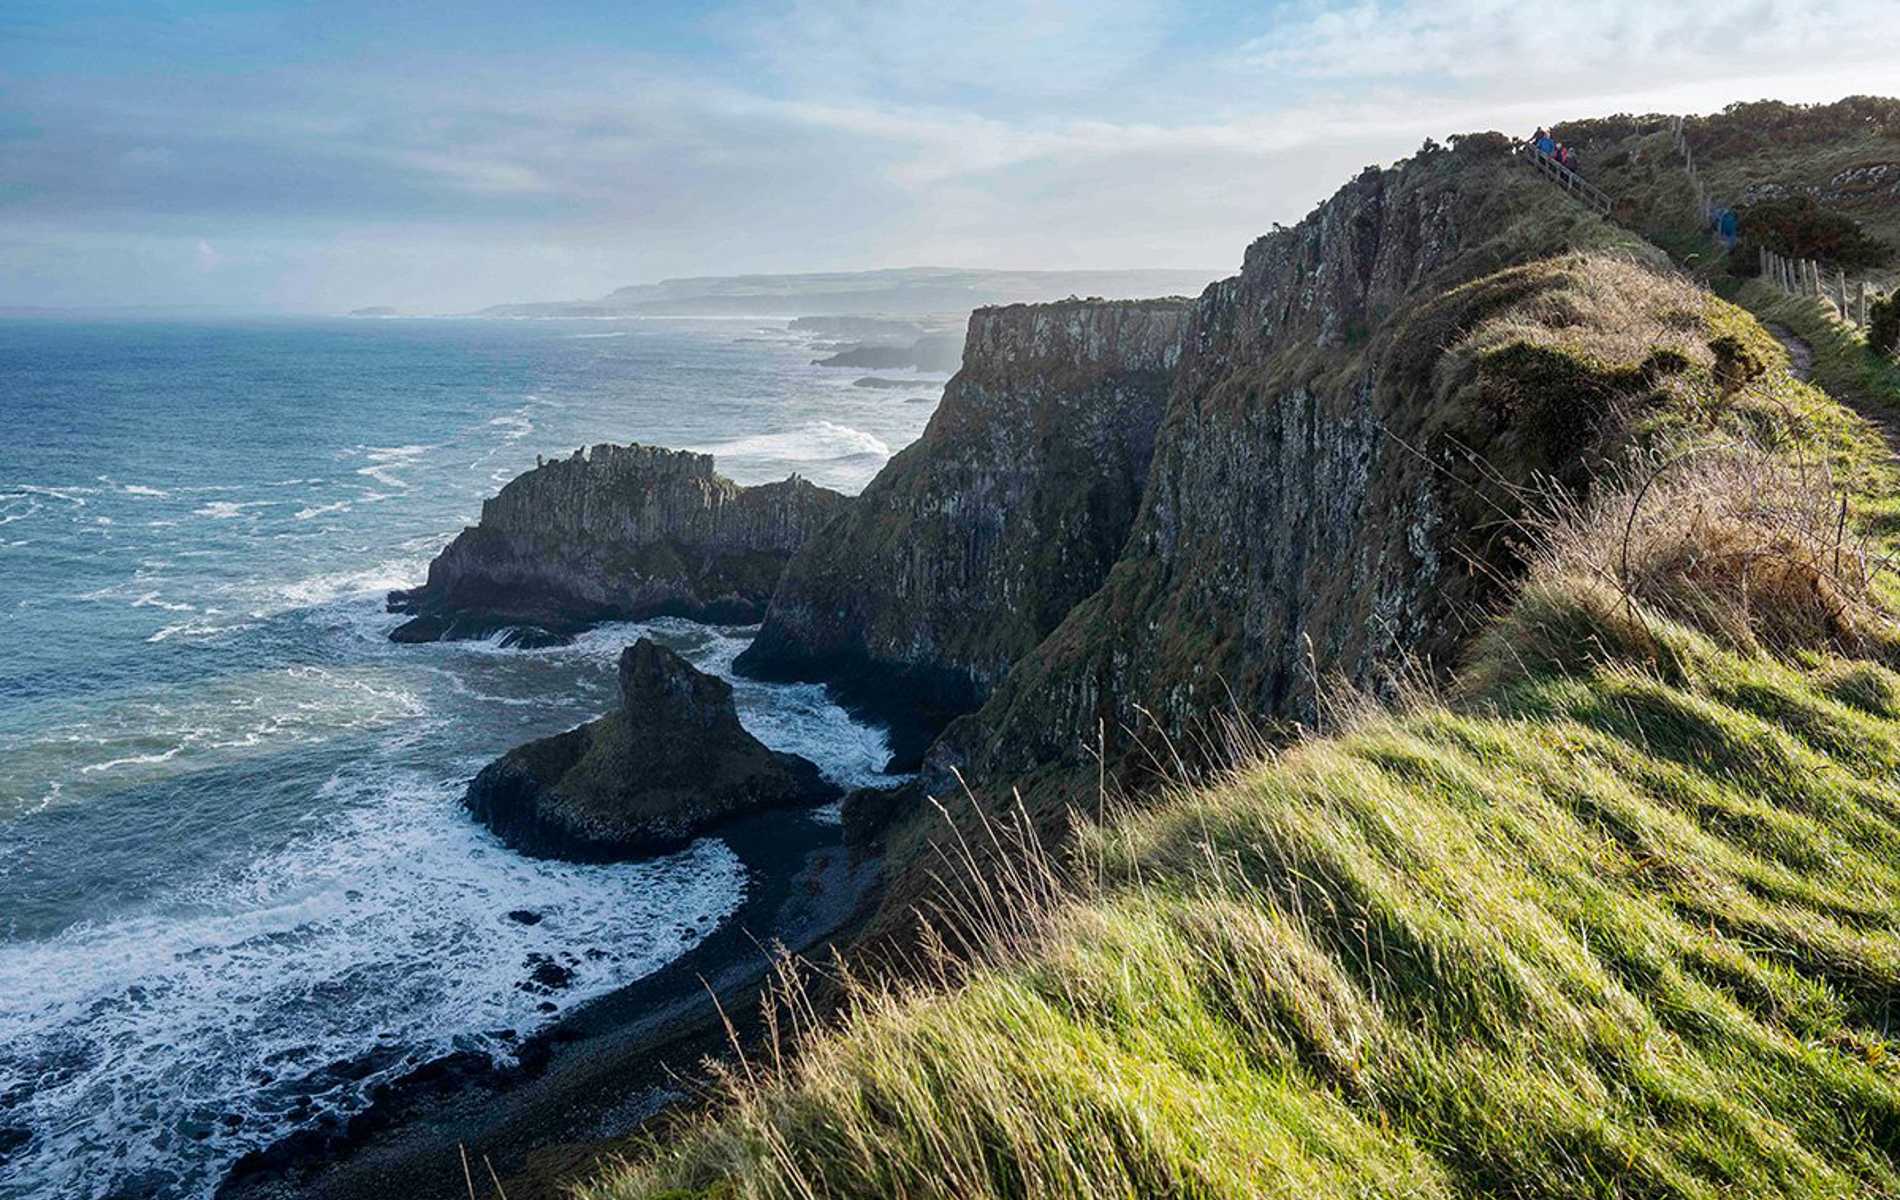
(1549, 147)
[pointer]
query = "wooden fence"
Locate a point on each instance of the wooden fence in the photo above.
(1805, 277)
(1795, 276)
(1705, 207)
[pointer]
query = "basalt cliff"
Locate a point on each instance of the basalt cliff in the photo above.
(616, 533)
(974, 542)
(1126, 518)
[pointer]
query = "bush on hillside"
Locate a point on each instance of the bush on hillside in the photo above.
(1798, 227)
(1883, 325)
(1748, 127)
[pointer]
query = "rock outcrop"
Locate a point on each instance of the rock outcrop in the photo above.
(1328, 486)
(973, 542)
(615, 533)
(671, 763)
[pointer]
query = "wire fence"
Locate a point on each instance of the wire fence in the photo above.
(1795, 276)
(1806, 277)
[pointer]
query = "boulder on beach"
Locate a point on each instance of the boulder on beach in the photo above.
(646, 779)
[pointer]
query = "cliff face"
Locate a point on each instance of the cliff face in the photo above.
(616, 533)
(972, 543)
(1315, 505)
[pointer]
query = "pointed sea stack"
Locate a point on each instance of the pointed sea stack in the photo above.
(645, 780)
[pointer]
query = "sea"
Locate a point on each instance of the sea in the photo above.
(237, 888)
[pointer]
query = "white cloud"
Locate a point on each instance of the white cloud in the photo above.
(1055, 134)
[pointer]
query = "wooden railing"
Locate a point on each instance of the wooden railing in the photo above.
(1569, 180)
(1795, 276)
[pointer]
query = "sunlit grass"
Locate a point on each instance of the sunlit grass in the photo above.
(1617, 915)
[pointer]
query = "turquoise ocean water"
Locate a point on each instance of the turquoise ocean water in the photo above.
(236, 888)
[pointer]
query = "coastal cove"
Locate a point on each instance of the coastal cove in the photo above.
(241, 900)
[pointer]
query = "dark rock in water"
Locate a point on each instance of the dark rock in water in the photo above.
(938, 351)
(930, 352)
(875, 357)
(546, 975)
(615, 533)
(872, 381)
(524, 916)
(869, 814)
(12, 1139)
(418, 629)
(646, 779)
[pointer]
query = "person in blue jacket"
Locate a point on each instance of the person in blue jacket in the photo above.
(1545, 144)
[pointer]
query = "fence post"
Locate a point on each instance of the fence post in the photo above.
(1860, 303)
(1840, 279)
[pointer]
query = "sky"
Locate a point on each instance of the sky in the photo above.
(444, 156)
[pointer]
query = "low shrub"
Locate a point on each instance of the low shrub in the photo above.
(1728, 539)
(1798, 227)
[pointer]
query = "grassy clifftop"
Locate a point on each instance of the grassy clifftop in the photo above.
(1603, 934)
(1613, 912)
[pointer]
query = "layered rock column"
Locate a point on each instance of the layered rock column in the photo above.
(973, 542)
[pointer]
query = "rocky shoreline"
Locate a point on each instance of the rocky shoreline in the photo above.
(601, 1069)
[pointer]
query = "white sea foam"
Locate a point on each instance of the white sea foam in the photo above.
(75, 496)
(317, 510)
(815, 441)
(385, 928)
(198, 630)
(225, 510)
(385, 461)
(139, 489)
(152, 600)
(361, 583)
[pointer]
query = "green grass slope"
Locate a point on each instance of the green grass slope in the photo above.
(1604, 935)
(1615, 913)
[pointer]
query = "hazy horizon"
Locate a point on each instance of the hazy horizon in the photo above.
(279, 158)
